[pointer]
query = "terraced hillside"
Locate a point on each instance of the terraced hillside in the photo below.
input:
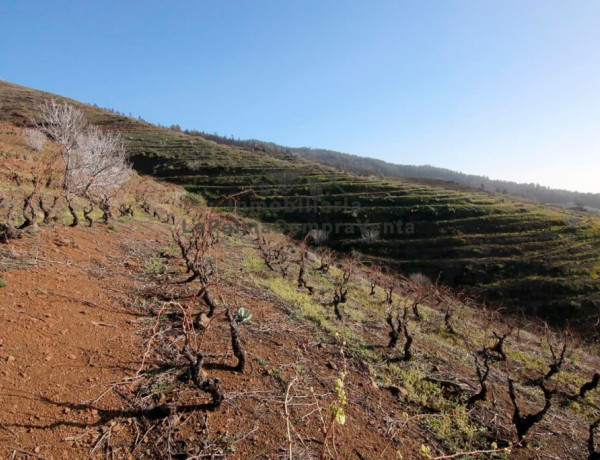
(521, 254)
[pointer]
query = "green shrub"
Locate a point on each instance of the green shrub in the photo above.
(153, 266)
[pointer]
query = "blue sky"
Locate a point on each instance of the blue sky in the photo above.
(506, 89)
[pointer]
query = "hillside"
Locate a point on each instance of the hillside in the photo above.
(108, 349)
(525, 256)
(370, 166)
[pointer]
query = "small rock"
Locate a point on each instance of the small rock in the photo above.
(60, 241)
(332, 365)
(10, 358)
(398, 391)
(203, 321)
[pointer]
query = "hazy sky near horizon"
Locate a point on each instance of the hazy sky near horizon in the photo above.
(506, 89)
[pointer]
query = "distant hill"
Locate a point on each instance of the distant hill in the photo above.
(371, 166)
(524, 255)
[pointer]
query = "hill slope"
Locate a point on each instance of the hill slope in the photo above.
(521, 254)
(107, 352)
(371, 166)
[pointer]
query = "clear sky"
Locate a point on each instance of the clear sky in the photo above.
(507, 89)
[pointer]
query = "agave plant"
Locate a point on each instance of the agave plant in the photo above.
(243, 316)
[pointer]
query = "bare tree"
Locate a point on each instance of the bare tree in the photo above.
(375, 277)
(195, 252)
(102, 167)
(29, 211)
(341, 285)
(587, 386)
(15, 177)
(396, 329)
(41, 173)
(34, 138)
(87, 214)
(318, 236)
(483, 372)
(327, 259)
(64, 123)
(557, 361)
(274, 255)
(408, 336)
(141, 194)
(95, 161)
(498, 348)
(447, 317)
(401, 327)
(417, 296)
(7, 229)
(302, 269)
(523, 423)
(104, 199)
(554, 367)
(126, 210)
(101, 160)
(420, 279)
(593, 453)
(47, 209)
(211, 386)
(389, 293)
(72, 211)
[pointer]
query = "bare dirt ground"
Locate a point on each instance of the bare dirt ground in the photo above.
(75, 332)
(70, 334)
(66, 333)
